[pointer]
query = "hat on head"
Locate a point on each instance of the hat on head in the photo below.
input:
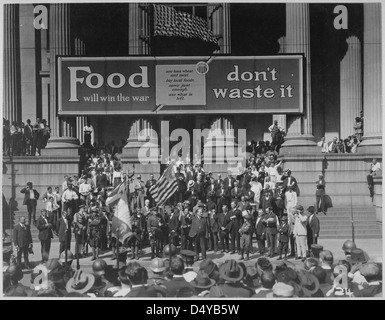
(81, 282)
(191, 183)
(287, 275)
(316, 249)
(230, 270)
(348, 246)
(309, 283)
(311, 209)
(187, 253)
(70, 256)
(202, 281)
(99, 267)
(207, 266)
(357, 256)
(370, 269)
(281, 290)
(299, 207)
(157, 265)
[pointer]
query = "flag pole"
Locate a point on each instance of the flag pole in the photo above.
(351, 213)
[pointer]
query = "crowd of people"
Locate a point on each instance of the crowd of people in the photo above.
(20, 139)
(347, 145)
(319, 276)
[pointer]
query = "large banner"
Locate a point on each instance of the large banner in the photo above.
(180, 85)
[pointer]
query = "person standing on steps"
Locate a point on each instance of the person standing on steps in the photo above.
(320, 194)
(30, 200)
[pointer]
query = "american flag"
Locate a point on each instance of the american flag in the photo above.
(165, 187)
(171, 23)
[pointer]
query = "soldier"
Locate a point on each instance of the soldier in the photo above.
(271, 230)
(214, 229)
(244, 232)
(94, 233)
(174, 226)
(154, 232)
(223, 231)
(80, 230)
(135, 238)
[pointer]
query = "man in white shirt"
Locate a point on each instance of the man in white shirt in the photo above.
(375, 167)
(68, 199)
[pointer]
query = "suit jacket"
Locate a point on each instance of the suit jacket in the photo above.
(26, 195)
(293, 182)
(314, 224)
(211, 192)
(266, 203)
(234, 224)
(260, 226)
(61, 229)
(221, 221)
(199, 227)
(249, 195)
(101, 181)
(174, 223)
(214, 224)
(176, 284)
(284, 233)
(229, 185)
(236, 194)
(222, 197)
(218, 183)
(22, 236)
(45, 232)
(271, 225)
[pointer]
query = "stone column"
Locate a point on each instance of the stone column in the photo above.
(62, 130)
(12, 87)
(220, 25)
(138, 29)
(372, 140)
(350, 87)
(281, 117)
(299, 128)
(141, 137)
(80, 50)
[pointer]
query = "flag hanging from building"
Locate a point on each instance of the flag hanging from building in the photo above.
(171, 23)
(165, 187)
(121, 221)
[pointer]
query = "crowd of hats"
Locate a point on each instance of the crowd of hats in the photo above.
(317, 277)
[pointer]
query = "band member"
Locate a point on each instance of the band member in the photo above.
(80, 230)
(94, 233)
(135, 238)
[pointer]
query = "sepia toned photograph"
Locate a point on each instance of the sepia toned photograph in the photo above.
(176, 150)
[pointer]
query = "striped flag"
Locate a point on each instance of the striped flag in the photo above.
(116, 194)
(171, 23)
(165, 187)
(121, 221)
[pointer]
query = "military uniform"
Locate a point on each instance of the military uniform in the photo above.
(155, 233)
(135, 239)
(94, 233)
(185, 229)
(244, 232)
(80, 231)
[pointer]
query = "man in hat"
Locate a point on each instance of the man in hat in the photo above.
(270, 222)
(188, 258)
(101, 284)
(300, 232)
(347, 247)
(231, 273)
(283, 238)
(177, 283)
(244, 232)
(202, 284)
(80, 230)
(69, 199)
(81, 282)
(63, 229)
(199, 232)
(320, 194)
(67, 265)
(44, 226)
(210, 268)
(313, 227)
(158, 268)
